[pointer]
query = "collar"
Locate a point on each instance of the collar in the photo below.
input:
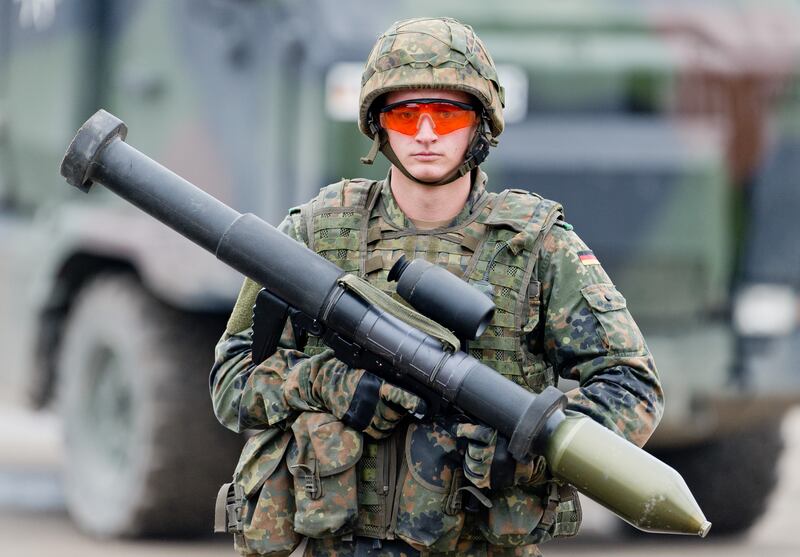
(398, 219)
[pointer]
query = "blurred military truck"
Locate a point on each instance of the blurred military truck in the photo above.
(670, 131)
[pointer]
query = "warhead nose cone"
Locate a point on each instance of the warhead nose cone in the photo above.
(634, 485)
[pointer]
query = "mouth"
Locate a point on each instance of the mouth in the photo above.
(426, 155)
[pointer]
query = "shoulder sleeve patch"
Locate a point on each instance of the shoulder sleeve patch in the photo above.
(587, 257)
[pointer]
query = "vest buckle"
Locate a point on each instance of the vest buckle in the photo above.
(311, 482)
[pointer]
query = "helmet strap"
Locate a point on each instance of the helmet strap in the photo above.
(477, 152)
(373, 151)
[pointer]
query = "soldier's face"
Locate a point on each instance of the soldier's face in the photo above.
(429, 156)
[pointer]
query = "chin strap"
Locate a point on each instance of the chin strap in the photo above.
(378, 139)
(477, 152)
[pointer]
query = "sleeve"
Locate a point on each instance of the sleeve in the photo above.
(249, 395)
(589, 336)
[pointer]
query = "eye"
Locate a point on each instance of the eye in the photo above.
(405, 114)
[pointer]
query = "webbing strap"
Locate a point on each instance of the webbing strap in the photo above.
(228, 509)
(405, 314)
(371, 197)
(374, 234)
(374, 263)
(387, 42)
(458, 38)
(470, 242)
(373, 150)
(306, 212)
(554, 212)
(220, 517)
(549, 516)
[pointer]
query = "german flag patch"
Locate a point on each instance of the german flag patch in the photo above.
(587, 258)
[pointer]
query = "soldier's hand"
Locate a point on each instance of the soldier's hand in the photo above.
(393, 404)
(367, 403)
(488, 464)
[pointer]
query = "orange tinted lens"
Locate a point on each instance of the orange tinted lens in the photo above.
(446, 117)
(402, 119)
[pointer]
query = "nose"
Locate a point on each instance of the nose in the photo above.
(426, 132)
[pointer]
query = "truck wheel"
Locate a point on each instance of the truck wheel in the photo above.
(732, 477)
(144, 455)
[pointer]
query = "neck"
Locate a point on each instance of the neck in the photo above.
(430, 203)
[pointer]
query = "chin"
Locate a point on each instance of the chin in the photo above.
(426, 173)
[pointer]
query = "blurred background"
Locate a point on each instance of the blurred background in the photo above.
(670, 131)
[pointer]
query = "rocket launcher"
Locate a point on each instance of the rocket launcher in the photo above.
(623, 478)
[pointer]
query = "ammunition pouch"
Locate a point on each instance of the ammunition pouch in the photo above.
(568, 513)
(531, 514)
(322, 462)
(430, 514)
(258, 506)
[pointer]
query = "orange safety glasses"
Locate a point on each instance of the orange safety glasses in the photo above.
(447, 116)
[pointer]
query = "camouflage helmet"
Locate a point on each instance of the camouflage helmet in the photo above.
(432, 53)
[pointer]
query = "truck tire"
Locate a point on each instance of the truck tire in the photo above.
(144, 455)
(733, 476)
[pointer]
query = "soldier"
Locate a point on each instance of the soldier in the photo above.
(335, 463)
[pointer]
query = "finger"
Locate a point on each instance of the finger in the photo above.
(383, 422)
(478, 477)
(477, 433)
(379, 428)
(402, 398)
(478, 454)
(388, 412)
(376, 434)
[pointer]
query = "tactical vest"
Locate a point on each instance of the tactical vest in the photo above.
(494, 248)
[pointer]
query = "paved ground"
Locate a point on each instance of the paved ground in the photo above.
(33, 521)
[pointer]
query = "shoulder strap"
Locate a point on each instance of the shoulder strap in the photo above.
(370, 199)
(551, 212)
(343, 196)
(513, 209)
(306, 212)
(346, 195)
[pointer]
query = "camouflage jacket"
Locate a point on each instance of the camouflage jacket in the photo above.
(583, 332)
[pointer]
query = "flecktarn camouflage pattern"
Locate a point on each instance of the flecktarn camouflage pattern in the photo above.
(558, 314)
(322, 460)
(429, 513)
(268, 504)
